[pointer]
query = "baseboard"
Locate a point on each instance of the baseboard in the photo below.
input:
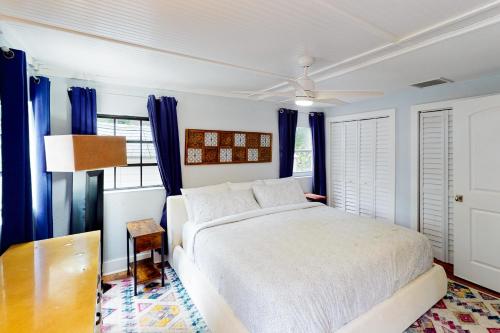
(120, 264)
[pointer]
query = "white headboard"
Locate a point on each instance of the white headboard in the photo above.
(176, 217)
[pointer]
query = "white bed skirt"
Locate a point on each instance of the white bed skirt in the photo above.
(393, 315)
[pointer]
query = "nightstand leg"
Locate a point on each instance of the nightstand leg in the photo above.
(128, 254)
(135, 270)
(162, 262)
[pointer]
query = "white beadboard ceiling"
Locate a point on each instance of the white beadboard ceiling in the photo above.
(220, 46)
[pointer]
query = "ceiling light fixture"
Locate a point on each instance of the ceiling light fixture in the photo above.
(304, 101)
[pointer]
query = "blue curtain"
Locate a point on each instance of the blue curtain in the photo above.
(317, 124)
(83, 110)
(163, 120)
(83, 121)
(17, 219)
(41, 179)
(287, 125)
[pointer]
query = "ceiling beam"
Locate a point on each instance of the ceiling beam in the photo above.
(368, 26)
(156, 87)
(15, 19)
(405, 39)
(417, 34)
(452, 20)
(428, 42)
(373, 56)
(337, 64)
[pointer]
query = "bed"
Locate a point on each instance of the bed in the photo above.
(303, 267)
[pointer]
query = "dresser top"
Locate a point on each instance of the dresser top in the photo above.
(50, 285)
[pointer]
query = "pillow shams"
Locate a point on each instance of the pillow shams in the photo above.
(244, 185)
(204, 189)
(206, 207)
(272, 181)
(279, 194)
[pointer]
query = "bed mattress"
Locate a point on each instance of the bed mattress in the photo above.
(304, 267)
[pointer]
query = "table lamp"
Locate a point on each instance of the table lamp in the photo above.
(85, 156)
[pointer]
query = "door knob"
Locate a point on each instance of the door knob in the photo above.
(459, 198)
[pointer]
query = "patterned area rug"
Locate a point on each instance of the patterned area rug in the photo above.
(462, 310)
(155, 309)
(169, 309)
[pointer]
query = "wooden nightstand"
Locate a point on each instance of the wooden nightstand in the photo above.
(146, 235)
(316, 198)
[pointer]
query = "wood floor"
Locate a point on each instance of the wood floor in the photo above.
(123, 275)
(449, 272)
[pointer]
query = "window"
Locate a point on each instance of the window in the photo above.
(302, 159)
(142, 167)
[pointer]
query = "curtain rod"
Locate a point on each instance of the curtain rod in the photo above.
(34, 71)
(7, 52)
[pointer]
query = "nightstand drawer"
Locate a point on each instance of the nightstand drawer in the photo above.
(148, 242)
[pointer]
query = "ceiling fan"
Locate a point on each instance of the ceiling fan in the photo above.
(305, 94)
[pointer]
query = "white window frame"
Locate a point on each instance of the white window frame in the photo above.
(140, 164)
(389, 113)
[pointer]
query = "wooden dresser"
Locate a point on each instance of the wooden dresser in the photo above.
(52, 285)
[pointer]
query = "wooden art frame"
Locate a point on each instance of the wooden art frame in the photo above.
(227, 147)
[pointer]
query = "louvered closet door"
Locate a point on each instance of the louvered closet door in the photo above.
(352, 167)
(362, 167)
(367, 150)
(376, 190)
(337, 144)
(384, 170)
(436, 185)
(451, 191)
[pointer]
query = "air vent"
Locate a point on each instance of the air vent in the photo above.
(433, 82)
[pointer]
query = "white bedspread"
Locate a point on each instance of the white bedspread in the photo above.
(305, 267)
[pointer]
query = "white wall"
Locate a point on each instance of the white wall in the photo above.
(60, 123)
(402, 102)
(121, 207)
(193, 111)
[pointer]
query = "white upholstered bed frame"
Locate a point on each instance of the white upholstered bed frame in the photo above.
(393, 315)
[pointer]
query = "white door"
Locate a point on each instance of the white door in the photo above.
(337, 175)
(477, 179)
(384, 170)
(433, 180)
(436, 181)
(352, 167)
(367, 150)
(362, 167)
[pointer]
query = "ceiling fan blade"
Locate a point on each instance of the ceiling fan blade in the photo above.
(332, 100)
(325, 94)
(269, 93)
(299, 89)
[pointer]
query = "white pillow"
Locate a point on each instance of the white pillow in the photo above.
(278, 180)
(206, 207)
(204, 189)
(279, 194)
(244, 185)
